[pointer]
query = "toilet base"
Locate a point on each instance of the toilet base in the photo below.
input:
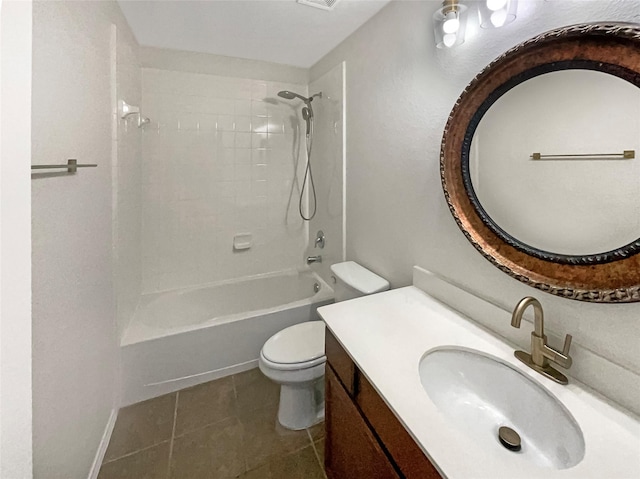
(301, 405)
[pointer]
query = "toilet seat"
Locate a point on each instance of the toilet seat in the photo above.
(296, 347)
(291, 366)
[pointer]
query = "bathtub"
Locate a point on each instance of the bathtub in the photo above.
(180, 338)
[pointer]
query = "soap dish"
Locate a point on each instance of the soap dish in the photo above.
(242, 241)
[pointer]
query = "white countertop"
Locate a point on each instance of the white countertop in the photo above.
(387, 334)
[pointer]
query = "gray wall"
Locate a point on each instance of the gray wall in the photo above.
(400, 90)
(75, 352)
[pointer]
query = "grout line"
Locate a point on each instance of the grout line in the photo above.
(134, 452)
(235, 390)
(319, 463)
(315, 450)
(173, 434)
(204, 426)
(284, 453)
(295, 451)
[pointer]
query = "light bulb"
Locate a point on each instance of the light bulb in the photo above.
(451, 23)
(496, 4)
(498, 18)
(449, 39)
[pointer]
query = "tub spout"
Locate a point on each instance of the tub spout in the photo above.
(314, 259)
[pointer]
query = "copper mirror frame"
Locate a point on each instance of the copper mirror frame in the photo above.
(610, 277)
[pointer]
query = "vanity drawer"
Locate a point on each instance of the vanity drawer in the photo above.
(341, 363)
(405, 452)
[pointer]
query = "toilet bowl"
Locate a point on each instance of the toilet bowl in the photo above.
(295, 359)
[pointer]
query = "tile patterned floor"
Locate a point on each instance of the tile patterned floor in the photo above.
(222, 429)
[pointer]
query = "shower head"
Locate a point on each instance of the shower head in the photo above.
(289, 95)
(307, 111)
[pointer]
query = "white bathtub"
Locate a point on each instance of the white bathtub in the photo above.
(181, 338)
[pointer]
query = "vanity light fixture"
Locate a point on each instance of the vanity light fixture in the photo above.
(449, 23)
(497, 13)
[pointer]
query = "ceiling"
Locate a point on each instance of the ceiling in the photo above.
(280, 31)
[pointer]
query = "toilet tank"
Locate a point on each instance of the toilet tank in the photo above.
(353, 281)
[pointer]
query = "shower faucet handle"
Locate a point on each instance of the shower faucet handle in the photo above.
(319, 240)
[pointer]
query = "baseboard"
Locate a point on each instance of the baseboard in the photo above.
(102, 447)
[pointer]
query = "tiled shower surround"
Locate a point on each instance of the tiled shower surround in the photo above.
(219, 159)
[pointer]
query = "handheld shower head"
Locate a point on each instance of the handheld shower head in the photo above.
(289, 95)
(307, 111)
(307, 115)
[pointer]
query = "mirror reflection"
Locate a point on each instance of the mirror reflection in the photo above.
(571, 205)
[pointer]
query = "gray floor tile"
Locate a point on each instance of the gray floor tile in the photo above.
(150, 463)
(262, 472)
(205, 404)
(212, 452)
(225, 429)
(142, 425)
(249, 378)
(254, 391)
(246, 414)
(264, 438)
(299, 465)
(317, 431)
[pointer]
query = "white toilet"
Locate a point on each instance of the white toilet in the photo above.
(294, 357)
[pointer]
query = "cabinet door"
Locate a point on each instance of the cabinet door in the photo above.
(351, 450)
(405, 452)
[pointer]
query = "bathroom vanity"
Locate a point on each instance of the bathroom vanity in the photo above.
(391, 413)
(364, 439)
(415, 388)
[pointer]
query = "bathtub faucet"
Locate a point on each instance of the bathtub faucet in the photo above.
(314, 259)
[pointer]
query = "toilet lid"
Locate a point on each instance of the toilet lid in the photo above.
(296, 344)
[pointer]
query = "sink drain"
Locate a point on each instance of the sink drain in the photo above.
(509, 438)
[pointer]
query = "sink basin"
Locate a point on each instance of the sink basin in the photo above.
(479, 394)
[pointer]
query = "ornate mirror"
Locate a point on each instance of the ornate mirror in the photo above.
(540, 162)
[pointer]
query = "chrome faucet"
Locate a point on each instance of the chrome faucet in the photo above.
(541, 352)
(314, 259)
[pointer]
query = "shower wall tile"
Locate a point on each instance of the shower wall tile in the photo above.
(219, 158)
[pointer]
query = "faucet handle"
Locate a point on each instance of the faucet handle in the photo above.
(567, 345)
(561, 358)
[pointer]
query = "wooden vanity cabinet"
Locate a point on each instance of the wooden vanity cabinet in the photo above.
(364, 439)
(351, 449)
